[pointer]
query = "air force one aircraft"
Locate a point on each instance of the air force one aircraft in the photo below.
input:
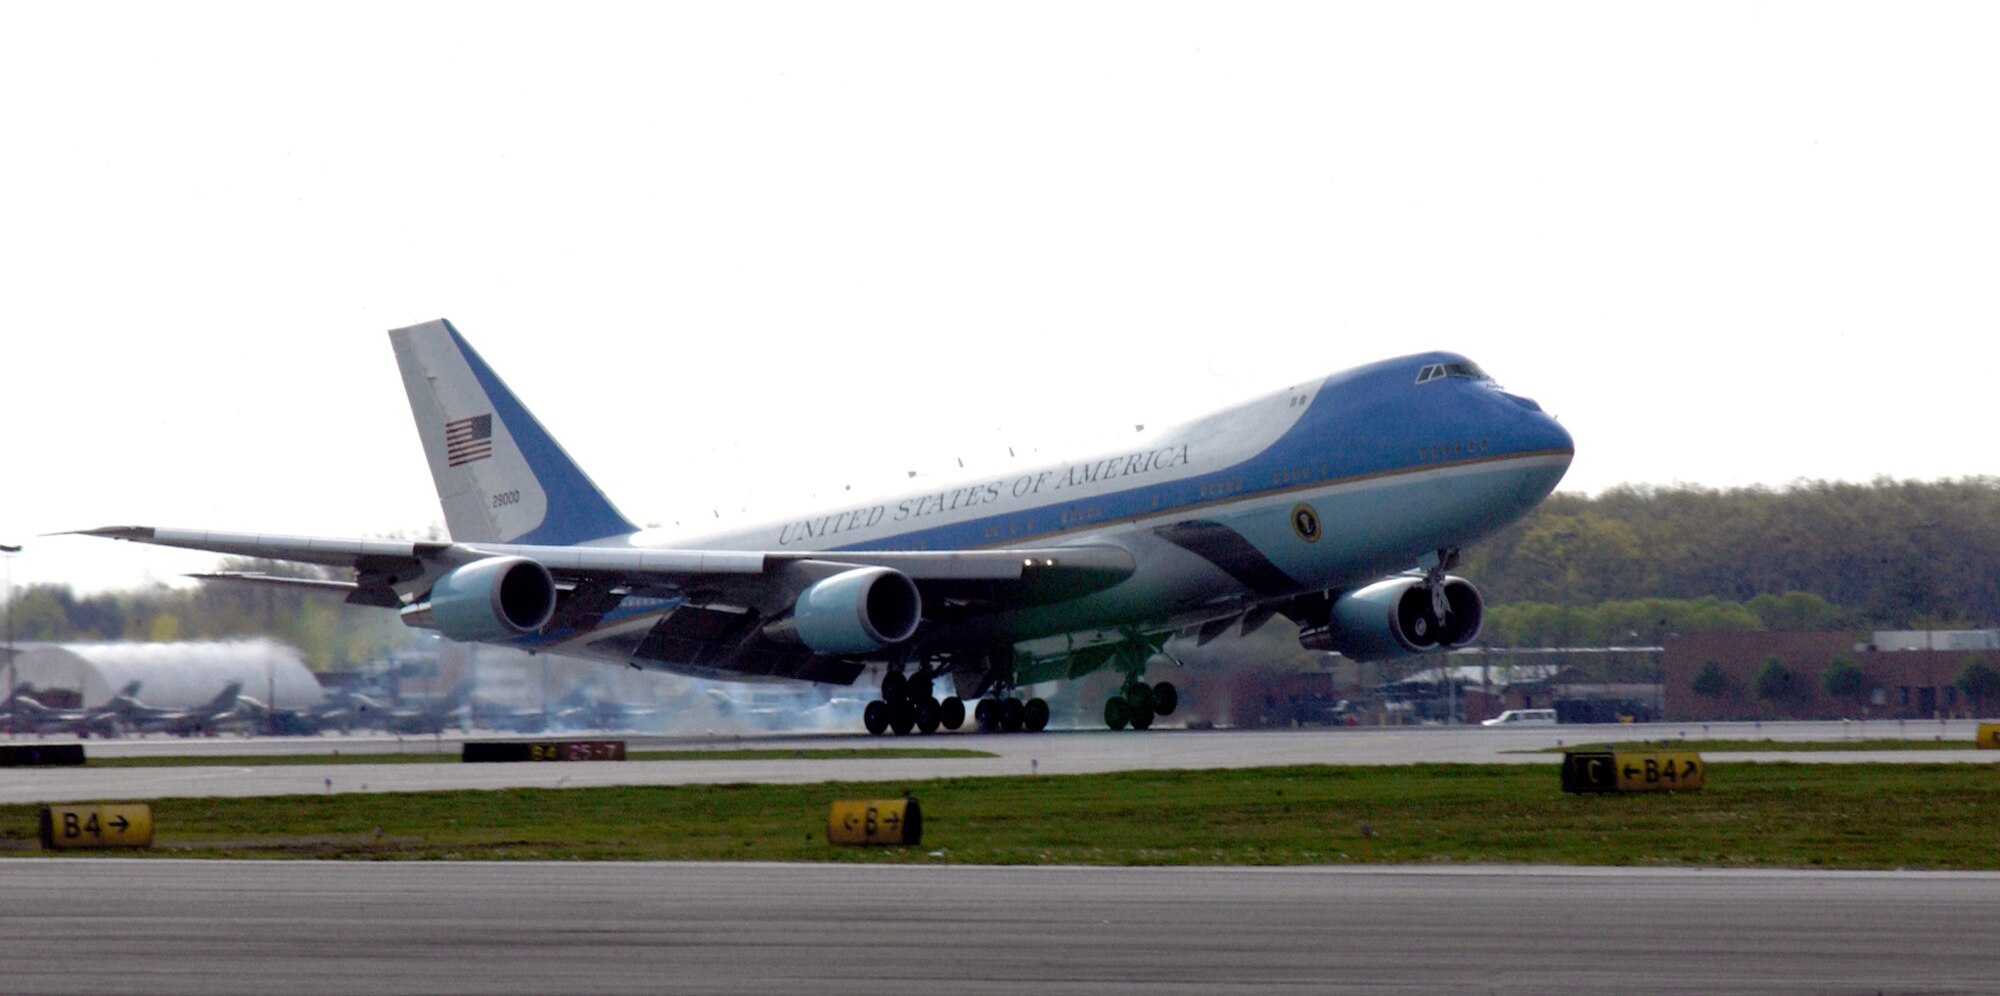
(1340, 503)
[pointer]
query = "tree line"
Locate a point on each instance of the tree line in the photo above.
(1638, 562)
(328, 632)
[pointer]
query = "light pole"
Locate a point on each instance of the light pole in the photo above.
(13, 720)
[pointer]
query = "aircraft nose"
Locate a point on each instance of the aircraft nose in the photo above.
(1539, 430)
(1558, 437)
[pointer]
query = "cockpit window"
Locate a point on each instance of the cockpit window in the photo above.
(1468, 371)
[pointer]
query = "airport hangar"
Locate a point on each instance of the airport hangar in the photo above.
(170, 675)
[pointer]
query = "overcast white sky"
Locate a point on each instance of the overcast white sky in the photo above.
(737, 254)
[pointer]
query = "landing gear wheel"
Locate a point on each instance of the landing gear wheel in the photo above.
(876, 717)
(1012, 715)
(1142, 718)
(1140, 696)
(1165, 698)
(951, 713)
(1117, 712)
(894, 688)
(926, 709)
(902, 717)
(1035, 716)
(987, 715)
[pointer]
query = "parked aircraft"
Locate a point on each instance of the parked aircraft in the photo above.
(29, 715)
(452, 711)
(1341, 503)
(208, 717)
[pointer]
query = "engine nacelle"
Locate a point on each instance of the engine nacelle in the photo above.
(853, 612)
(487, 600)
(1396, 618)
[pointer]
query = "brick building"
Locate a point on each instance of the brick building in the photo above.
(1896, 684)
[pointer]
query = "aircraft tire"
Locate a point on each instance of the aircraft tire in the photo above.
(926, 709)
(951, 713)
(1166, 698)
(1140, 698)
(1142, 717)
(987, 715)
(894, 688)
(876, 717)
(1117, 712)
(902, 717)
(1012, 715)
(1036, 716)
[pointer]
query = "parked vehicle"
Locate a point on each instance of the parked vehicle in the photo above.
(1523, 717)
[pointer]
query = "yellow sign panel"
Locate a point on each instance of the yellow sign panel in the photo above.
(1632, 771)
(863, 822)
(1658, 770)
(1989, 736)
(66, 828)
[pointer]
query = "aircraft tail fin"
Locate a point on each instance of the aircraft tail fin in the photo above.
(226, 698)
(500, 476)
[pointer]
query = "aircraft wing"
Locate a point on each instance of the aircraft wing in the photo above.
(386, 568)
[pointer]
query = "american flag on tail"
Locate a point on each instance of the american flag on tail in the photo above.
(468, 439)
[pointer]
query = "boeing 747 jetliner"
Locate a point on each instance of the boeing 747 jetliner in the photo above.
(1341, 503)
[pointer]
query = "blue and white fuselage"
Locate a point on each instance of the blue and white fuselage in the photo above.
(1339, 503)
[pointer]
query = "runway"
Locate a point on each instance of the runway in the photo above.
(254, 927)
(1053, 753)
(161, 925)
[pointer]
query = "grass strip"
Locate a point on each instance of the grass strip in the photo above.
(734, 754)
(1749, 815)
(1763, 746)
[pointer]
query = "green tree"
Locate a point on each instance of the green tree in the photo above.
(1711, 681)
(165, 628)
(1843, 680)
(1774, 680)
(1978, 680)
(1797, 612)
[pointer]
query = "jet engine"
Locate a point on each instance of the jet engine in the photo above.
(1399, 617)
(487, 599)
(854, 612)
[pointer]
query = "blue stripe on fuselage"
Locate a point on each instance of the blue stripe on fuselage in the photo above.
(1372, 421)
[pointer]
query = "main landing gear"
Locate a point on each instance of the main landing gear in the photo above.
(1137, 703)
(907, 704)
(1011, 715)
